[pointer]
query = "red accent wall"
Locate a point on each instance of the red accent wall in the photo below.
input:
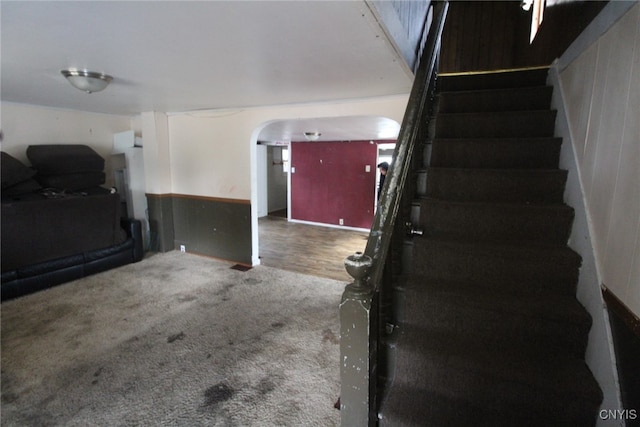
(330, 182)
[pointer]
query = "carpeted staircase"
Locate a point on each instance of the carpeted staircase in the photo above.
(492, 333)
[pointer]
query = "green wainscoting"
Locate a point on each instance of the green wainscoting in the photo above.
(215, 227)
(160, 208)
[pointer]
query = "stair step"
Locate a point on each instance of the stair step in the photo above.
(434, 353)
(537, 268)
(496, 153)
(455, 382)
(408, 407)
(513, 99)
(492, 80)
(494, 185)
(490, 331)
(497, 222)
(519, 325)
(507, 124)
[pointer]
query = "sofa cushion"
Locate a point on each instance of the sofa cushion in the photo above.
(72, 181)
(14, 171)
(21, 188)
(35, 231)
(51, 265)
(56, 159)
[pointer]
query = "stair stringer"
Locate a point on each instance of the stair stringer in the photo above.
(600, 352)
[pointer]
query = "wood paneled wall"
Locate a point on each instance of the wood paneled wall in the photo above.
(494, 35)
(210, 226)
(331, 182)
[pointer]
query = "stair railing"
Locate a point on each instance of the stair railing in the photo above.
(361, 322)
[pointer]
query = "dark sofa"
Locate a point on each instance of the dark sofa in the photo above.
(58, 223)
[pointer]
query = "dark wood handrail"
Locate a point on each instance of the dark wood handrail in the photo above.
(384, 220)
(360, 317)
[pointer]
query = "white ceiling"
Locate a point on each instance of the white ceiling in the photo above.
(175, 56)
(355, 128)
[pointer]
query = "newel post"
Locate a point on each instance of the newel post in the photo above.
(355, 321)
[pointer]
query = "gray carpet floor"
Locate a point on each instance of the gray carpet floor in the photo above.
(176, 340)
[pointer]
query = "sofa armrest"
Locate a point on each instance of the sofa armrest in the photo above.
(133, 227)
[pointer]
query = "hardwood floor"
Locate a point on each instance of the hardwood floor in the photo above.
(309, 249)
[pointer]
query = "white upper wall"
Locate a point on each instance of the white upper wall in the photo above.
(601, 88)
(211, 151)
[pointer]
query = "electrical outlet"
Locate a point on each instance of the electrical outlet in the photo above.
(341, 221)
(183, 248)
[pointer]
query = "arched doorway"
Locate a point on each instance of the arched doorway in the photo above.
(275, 167)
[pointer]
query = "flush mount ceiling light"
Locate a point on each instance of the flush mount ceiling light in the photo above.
(87, 81)
(312, 136)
